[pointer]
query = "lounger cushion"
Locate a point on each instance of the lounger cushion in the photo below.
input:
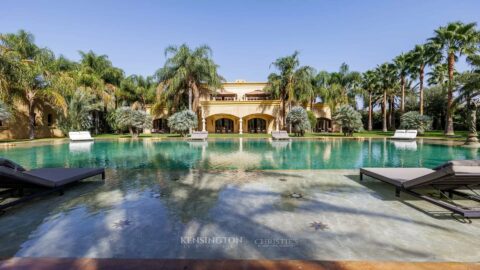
(396, 176)
(10, 164)
(55, 177)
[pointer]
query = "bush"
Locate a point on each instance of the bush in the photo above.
(349, 119)
(413, 120)
(133, 120)
(298, 118)
(182, 122)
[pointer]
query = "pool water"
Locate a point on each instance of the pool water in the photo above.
(244, 154)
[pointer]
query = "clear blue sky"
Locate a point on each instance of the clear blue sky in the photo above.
(245, 35)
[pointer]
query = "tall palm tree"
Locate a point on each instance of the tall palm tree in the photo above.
(370, 86)
(32, 79)
(403, 67)
(387, 75)
(291, 82)
(419, 58)
(189, 71)
(454, 40)
(138, 91)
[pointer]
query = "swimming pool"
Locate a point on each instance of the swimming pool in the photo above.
(247, 154)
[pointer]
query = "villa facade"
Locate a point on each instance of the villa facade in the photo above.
(243, 107)
(17, 127)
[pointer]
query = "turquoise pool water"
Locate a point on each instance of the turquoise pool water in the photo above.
(251, 154)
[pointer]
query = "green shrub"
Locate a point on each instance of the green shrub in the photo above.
(298, 118)
(413, 120)
(349, 119)
(182, 122)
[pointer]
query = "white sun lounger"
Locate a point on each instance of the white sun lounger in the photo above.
(199, 135)
(280, 135)
(80, 136)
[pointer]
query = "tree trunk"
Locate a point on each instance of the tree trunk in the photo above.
(422, 74)
(31, 120)
(402, 84)
(384, 112)
(196, 97)
(389, 123)
(449, 125)
(284, 121)
(130, 129)
(370, 111)
(392, 113)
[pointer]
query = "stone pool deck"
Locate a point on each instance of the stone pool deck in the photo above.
(239, 215)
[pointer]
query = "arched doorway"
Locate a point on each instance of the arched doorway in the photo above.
(224, 125)
(323, 125)
(160, 125)
(257, 125)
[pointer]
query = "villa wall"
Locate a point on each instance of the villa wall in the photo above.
(240, 112)
(17, 126)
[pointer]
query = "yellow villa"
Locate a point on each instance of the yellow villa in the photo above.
(243, 107)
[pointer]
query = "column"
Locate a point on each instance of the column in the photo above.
(277, 124)
(241, 126)
(203, 124)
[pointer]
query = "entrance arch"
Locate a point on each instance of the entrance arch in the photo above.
(257, 125)
(224, 125)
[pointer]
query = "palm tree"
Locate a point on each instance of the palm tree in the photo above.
(293, 83)
(138, 90)
(370, 86)
(32, 79)
(191, 72)
(387, 75)
(403, 67)
(454, 40)
(419, 58)
(98, 76)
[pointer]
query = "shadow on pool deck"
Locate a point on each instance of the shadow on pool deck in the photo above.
(246, 205)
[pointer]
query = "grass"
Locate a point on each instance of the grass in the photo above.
(437, 134)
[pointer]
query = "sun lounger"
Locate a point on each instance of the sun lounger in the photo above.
(199, 135)
(401, 134)
(280, 135)
(80, 136)
(14, 177)
(447, 179)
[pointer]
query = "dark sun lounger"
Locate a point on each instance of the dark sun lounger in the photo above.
(447, 179)
(14, 177)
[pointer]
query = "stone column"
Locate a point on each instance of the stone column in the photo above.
(241, 126)
(203, 123)
(277, 124)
